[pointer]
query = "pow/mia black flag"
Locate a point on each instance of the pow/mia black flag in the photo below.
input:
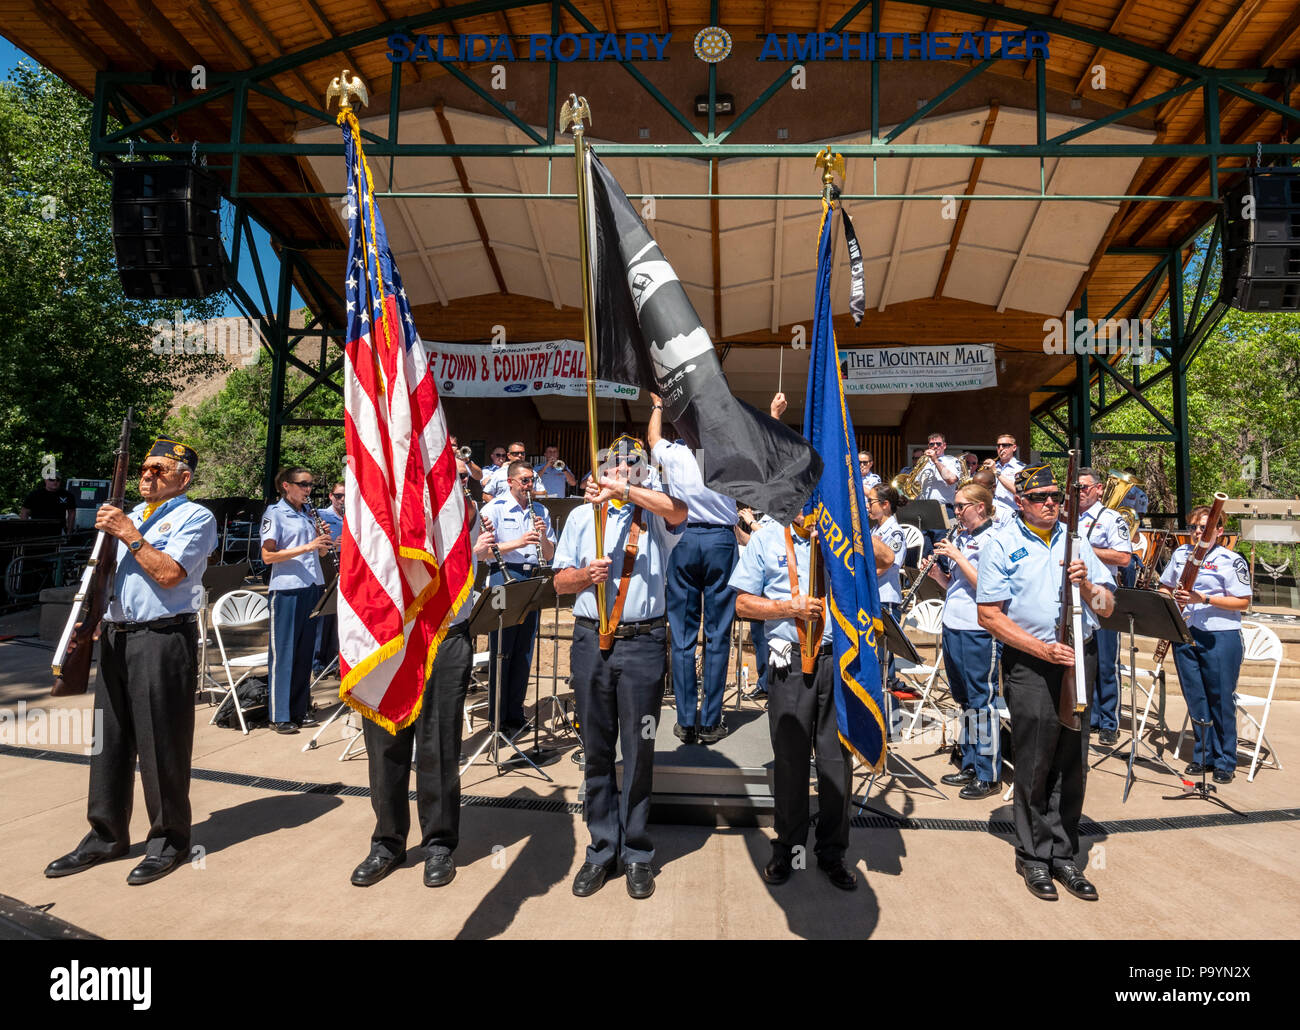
(648, 334)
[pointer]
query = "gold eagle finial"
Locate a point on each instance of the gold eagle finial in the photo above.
(343, 86)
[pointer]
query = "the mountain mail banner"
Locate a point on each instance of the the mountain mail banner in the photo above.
(516, 370)
(939, 369)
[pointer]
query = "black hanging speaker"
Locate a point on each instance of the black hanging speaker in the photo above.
(167, 231)
(1261, 254)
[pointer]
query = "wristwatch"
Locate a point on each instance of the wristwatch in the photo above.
(135, 545)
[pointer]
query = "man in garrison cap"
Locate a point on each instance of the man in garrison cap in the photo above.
(148, 658)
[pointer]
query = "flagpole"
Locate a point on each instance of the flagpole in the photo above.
(573, 113)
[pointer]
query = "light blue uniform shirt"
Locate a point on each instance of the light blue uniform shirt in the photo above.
(889, 582)
(645, 592)
(509, 523)
(764, 571)
(959, 605)
(495, 482)
(334, 521)
(683, 479)
(184, 531)
(1003, 513)
(933, 487)
(1102, 527)
(870, 480)
(1136, 499)
(1222, 572)
(553, 480)
(289, 528)
(1017, 567)
(1000, 492)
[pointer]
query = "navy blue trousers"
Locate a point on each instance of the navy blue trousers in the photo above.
(698, 570)
(970, 658)
(516, 666)
(1105, 702)
(293, 643)
(1207, 673)
(619, 693)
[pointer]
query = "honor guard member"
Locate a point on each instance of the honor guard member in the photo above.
(749, 522)
(970, 654)
(435, 737)
(697, 579)
(292, 546)
(519, 533)
(882, 502)
(1208, 667)
(618, 683)
(148, 665)
(1005, 467)
(1019, 600)
(1107, 533)
(772, 584)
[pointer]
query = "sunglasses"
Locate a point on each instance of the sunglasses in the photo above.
(303, 482)
(525, 480)
(1008, 444)
(154, 470)
(1054, 497)
(498, 454)
(961, 506)
(338, 497)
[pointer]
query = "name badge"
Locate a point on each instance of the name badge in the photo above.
(1016, 556)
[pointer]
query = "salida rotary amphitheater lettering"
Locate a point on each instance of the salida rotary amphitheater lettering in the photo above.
(505, 368)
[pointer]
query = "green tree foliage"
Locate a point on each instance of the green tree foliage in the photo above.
(229, 432)
(74, 352)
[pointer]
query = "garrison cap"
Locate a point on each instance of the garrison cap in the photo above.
(1037, 477)
(165, 447)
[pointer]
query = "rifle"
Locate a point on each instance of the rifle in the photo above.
(71, 665)
(1069, 629)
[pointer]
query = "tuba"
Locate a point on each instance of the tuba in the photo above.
(909, 485)
(1118, 485)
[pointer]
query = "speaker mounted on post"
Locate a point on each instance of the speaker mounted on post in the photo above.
(1261, 241)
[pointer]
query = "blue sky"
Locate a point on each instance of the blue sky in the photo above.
(9, 58)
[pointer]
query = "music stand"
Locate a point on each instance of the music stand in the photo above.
(500, 606)
(1156, 615)
(927, 516)
(896, 643)
(1204, 791)
(546, 597)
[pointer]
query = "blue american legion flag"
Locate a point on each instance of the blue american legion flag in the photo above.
(839, 510)
(405, 559)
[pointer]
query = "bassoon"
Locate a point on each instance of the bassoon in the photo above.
(71, 665)
(1069, 630)
(1187, 579)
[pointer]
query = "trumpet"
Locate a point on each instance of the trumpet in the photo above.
(558, 465)
(465, 453)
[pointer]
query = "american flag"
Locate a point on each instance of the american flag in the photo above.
(405, 565)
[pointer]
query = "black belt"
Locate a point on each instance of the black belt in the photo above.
(624, 629)
(708, 525)
(173, 620)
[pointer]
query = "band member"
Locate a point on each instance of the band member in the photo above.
(495, 484)
(148, 662)
(772, 583)
(1005, 466)
(1107, 532)
(697, 580)
(882, 502)
(519, 532)
(619, 689)
(554, 482)
(970, 654)
(939, 480)
(465, 466)
(865, 463)
(1002, 513)
(327, 635)
(1208, 667)
(435, 736)
(292, 545)
(1019, 602)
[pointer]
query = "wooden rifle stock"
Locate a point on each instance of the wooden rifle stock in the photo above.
(71, 665)
(1067, 707)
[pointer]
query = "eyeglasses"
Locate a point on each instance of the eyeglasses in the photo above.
(303, 482)
(1054, 497)
(154, 470)
(1005, 443)
(516, 454)
(498, 454)
(961, 506)
(523, 480)
(872, 502)
(337, 497)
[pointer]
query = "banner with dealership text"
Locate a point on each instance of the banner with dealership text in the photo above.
(516, 370)
(941, 369)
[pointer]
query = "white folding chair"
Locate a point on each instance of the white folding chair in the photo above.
(1261, 644)
(925, 617)
(239, 609)
(912, 536)
(477, 670)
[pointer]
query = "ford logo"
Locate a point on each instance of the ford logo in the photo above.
(516, 387)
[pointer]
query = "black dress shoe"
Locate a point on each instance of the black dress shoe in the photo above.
(977, 789)
(308, 720)
(590, 878)
(777, 869)
(959, 779)
(151, 869)
(1074, 881)
(1108, 738)
(640, 880)
(376, 866)
(1223, 775)
(76, 861)
(284, 727)
(1193, 769)
(1038, 880)
(840, 875)
(713, 734)
(439, 869)
(686, 734)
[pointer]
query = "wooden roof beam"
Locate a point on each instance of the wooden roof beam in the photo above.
(58, 23)
(610, 24)
(976, 168)
(1284, 39)
(121, 33)
(663, 15)
(272, 44)
(1115, 26)
(327, 30)
(160, 24)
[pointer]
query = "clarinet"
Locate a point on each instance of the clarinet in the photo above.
(541, 558)
(922, 571)
(321, 528)
(496, 551)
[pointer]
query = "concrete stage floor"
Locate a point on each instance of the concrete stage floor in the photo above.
(280, 831)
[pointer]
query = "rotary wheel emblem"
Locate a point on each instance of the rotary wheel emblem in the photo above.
(712, 44)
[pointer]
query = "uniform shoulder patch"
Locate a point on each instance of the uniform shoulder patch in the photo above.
(1122, 526)
(1242, 570)
(266, 523)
